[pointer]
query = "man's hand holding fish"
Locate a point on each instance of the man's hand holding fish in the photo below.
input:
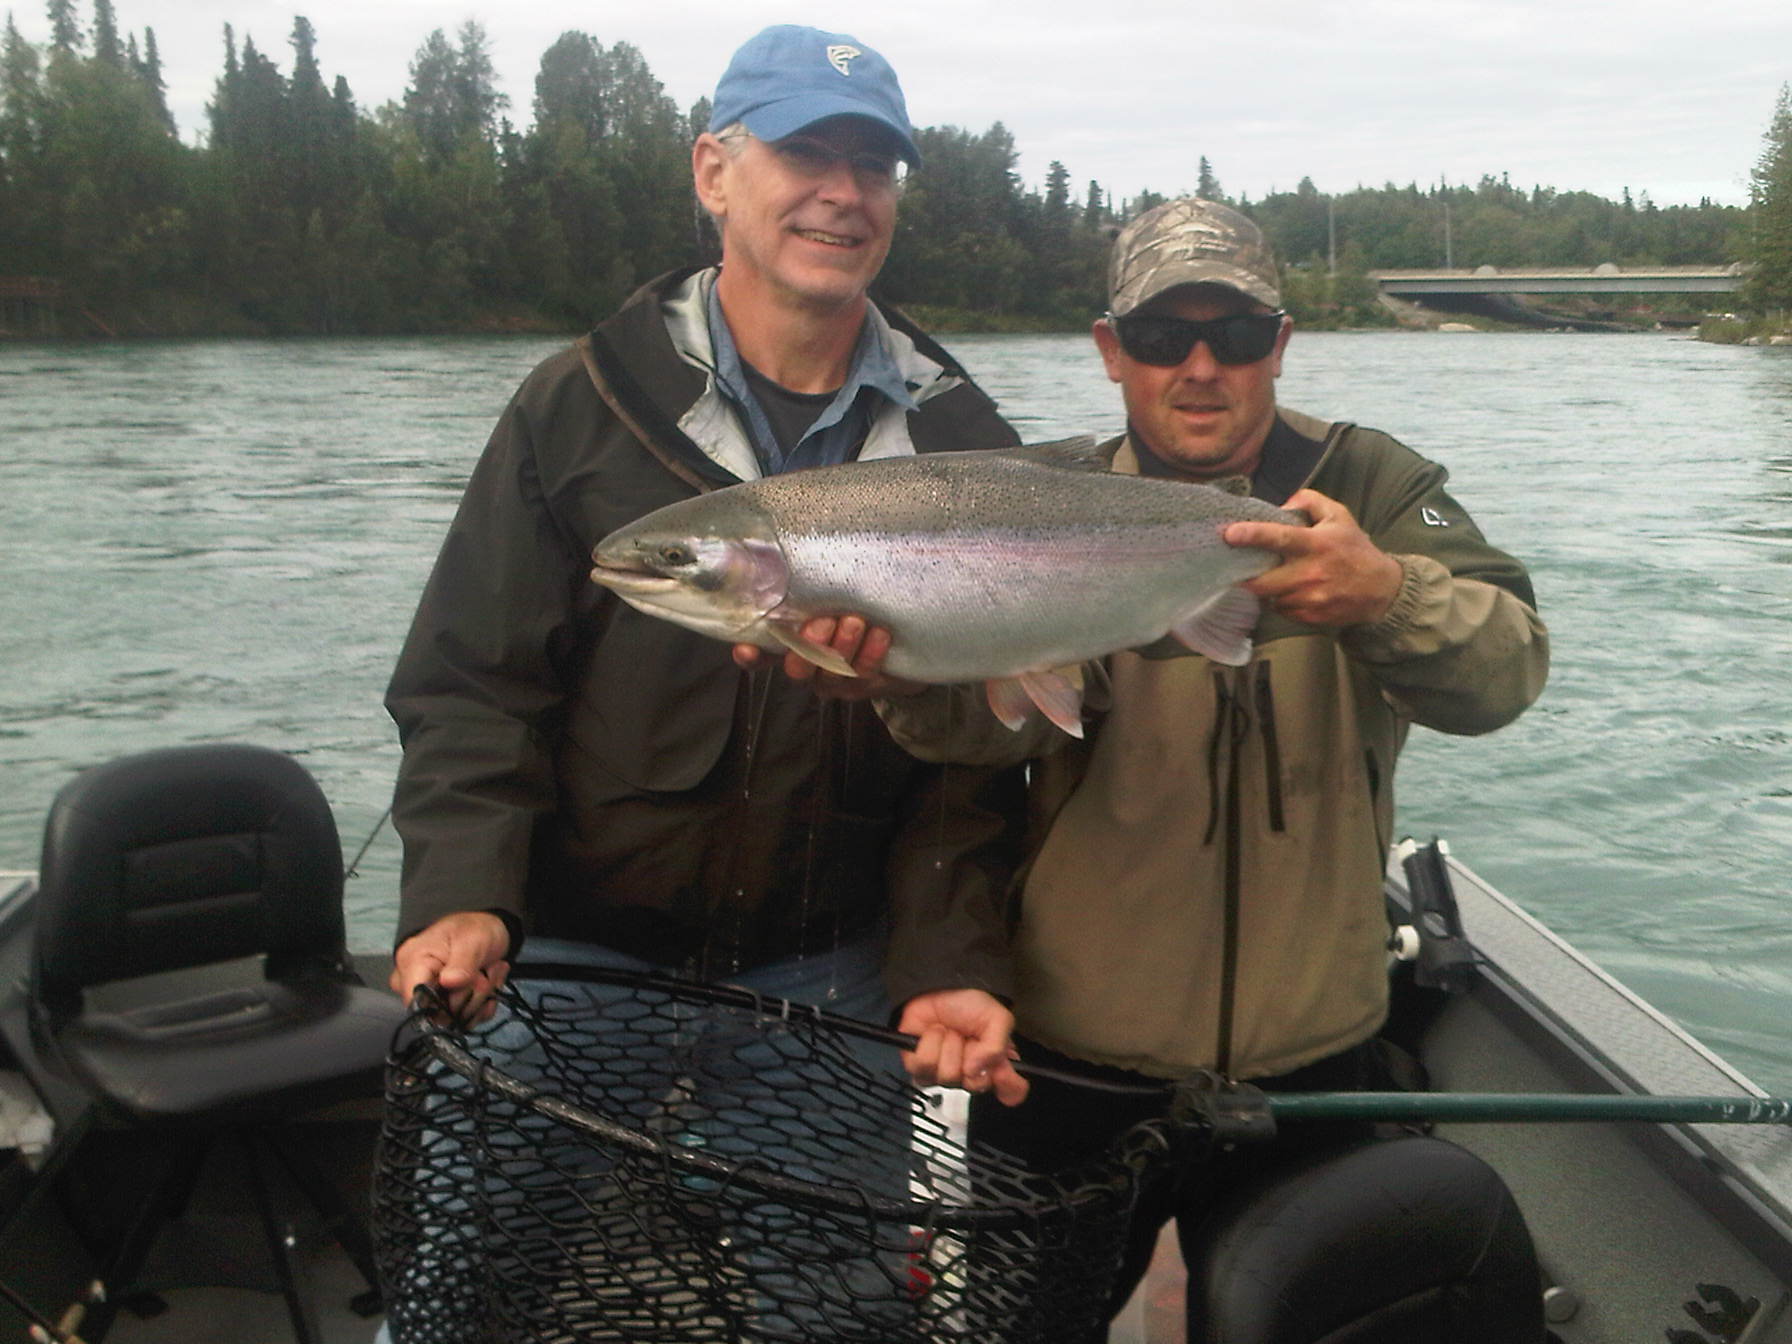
(856, 642)
(1331, 573)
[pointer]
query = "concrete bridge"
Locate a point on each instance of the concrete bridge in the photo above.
(32, 306)
(1605, 279)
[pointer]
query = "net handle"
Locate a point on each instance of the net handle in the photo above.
(784, 1010)
(442, 1041)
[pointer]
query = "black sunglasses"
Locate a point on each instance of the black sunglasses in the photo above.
(1243, 338)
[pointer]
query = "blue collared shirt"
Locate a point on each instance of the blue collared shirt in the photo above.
(839, 429)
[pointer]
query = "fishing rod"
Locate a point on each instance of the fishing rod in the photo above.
(1470, 1107)
(366, 845)
(1394, 1107)
(1433, 1107)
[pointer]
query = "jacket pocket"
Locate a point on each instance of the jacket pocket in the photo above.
(655, 703)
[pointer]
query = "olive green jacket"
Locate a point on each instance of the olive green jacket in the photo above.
(1204, 881)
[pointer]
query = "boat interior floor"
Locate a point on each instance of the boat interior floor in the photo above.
(210, 1273)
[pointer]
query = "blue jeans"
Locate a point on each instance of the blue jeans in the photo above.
(721, 1065)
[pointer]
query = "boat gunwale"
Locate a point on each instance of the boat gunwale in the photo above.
(1741, 1175)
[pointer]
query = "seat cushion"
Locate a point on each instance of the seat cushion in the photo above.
(248, 1052)
(1405, 1241)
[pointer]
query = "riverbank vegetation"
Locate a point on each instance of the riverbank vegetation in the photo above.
(1768, 244)
(300, 211)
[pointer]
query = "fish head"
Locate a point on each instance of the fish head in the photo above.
(718, 578)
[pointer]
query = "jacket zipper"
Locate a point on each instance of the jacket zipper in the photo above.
(1232, 725)
(1272, 751)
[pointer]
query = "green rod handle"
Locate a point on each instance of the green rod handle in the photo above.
(1533, 1106)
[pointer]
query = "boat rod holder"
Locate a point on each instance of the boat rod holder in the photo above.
(1444, 958)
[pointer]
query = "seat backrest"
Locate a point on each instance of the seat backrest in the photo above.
(181, 857)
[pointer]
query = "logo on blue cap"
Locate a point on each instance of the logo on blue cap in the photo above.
(789, 77)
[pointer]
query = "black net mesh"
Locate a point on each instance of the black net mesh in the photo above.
(622, 1158)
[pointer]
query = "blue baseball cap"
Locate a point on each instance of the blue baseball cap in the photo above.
(789, 77)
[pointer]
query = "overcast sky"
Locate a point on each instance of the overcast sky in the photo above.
(1598, 95)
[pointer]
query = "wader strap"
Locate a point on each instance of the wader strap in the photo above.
(587, 347)
(1333, 437)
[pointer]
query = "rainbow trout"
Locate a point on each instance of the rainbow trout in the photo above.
(1011, 567)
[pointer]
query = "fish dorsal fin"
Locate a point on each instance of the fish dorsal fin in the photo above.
(1080, 453)
(1221, 627)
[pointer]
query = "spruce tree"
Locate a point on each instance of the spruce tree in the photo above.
(1769, 247)
(65, 27)
(105, 35)
(151, 72)
(1207, 186)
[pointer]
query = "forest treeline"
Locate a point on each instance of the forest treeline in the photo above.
(303, 212)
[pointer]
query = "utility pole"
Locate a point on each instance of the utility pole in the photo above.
(1449, 251)
(1331, 237)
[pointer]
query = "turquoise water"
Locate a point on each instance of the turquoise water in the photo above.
(208, 540)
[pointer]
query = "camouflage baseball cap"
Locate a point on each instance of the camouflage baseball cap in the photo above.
(1190, 242)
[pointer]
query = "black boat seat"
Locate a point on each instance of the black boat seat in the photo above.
(1411, 1240)
(240, 1054)
(189, 971)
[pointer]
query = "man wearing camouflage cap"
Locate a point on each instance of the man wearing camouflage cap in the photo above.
(1205, 892)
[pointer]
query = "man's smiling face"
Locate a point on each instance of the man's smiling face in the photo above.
(806, 221)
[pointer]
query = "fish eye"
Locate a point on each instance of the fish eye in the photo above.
(675, 554)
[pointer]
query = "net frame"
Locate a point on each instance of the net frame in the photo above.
(526, 1188)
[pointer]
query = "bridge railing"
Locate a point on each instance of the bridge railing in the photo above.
(1606, 278)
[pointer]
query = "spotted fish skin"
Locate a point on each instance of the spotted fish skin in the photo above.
(984, 566)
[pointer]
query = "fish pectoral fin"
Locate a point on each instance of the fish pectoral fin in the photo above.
(1221, 627)
(1058, 694)
(824, 658)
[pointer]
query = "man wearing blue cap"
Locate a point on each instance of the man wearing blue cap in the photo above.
(615, 786)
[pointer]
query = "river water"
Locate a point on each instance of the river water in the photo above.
(225, 540)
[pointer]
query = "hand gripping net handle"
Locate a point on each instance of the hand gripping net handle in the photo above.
(1141, 1149)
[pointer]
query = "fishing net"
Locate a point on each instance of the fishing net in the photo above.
(623, 1157)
